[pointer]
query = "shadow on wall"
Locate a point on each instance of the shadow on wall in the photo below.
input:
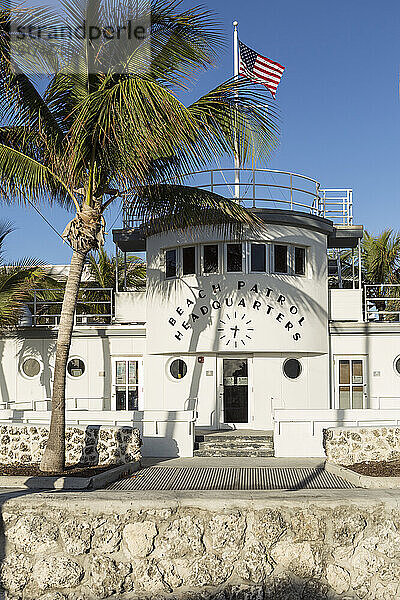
(283, 587)
(42, 349)
(90, 452)
(4, 393)
(207, 293)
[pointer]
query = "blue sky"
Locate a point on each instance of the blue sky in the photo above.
(338, 102)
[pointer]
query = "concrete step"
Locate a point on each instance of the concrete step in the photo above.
(244, 444)
(236, 444)
(228, 439)
(244, 452)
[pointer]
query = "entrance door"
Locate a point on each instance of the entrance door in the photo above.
(127, 384)
(235, 401)
(350, 376)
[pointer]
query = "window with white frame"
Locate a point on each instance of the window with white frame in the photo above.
(280, 258)
(211, 258)
(350, 382)
(258, 258)
(189, 260)
(234, 258)
(171, 264)
(127, 383)
(299, 260)
(246, 257)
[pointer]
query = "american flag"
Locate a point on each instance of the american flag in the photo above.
(259, 69)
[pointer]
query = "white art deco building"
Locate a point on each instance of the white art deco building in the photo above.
(230, 333)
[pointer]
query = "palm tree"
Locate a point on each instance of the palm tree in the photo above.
(102, 275)
(381, 265)
(17, 280)
(101, 271)
(108, 125)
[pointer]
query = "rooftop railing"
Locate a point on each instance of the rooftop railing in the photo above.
(382, 302)
(269, 188)
(95, 306)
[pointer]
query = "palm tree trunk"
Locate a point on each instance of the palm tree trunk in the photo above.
(54, 454)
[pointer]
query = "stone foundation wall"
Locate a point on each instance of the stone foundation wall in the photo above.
(88, 444)
(350, 445)
(113, 545)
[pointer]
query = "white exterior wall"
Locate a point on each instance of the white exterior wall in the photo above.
(95, 347)
(170, 301)
(299, 432)
(380, 351)
(345, 305)
(178, 299)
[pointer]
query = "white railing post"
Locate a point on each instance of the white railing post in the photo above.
(34, 308)
(291, 191)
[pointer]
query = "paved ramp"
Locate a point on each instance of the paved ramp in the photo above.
(230, 478)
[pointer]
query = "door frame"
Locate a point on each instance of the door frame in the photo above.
(350, 357)
(140, 361)
(220, 392)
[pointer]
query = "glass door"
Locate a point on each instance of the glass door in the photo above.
(127, 383)
(235, 390)
(350, 382)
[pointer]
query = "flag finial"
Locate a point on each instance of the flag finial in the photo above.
(235, 23)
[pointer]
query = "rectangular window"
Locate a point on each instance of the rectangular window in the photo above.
(234, 258)
(258, 258)
(280, 259)
(351, 385)
(170, 263)
(299, 261)
(210, 258)
(189, 260)
(126, 384)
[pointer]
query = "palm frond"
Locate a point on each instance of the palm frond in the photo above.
(165, 207)
(22, 176)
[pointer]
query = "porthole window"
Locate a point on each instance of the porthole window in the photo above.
(396, 365)
(76, 367)
(31, 367)
(292, 368)
(178, 368)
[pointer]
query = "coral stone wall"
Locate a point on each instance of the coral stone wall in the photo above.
(113, 545)
(350, 445)
(88, 444)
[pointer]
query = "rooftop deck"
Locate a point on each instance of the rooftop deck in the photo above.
(268, 188)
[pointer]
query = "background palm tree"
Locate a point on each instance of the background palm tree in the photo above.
(17, 281)
(380, 268)
(101, 272)
(109, 124)
(381, 265)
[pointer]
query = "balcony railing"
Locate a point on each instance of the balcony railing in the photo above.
(268, 188)
(382, 302)
(95, 306)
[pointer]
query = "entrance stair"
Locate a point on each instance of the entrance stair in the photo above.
(239, 442)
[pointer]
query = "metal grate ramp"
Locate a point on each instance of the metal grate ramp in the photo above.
(230, 478)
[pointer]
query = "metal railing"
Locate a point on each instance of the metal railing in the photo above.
(382, 302)
(95, 306)
(268, 188)
(337, 205)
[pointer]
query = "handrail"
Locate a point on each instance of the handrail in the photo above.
(297, 191)
(371, 300)
(37, 318)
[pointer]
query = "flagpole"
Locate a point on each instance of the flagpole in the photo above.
(236, 76)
